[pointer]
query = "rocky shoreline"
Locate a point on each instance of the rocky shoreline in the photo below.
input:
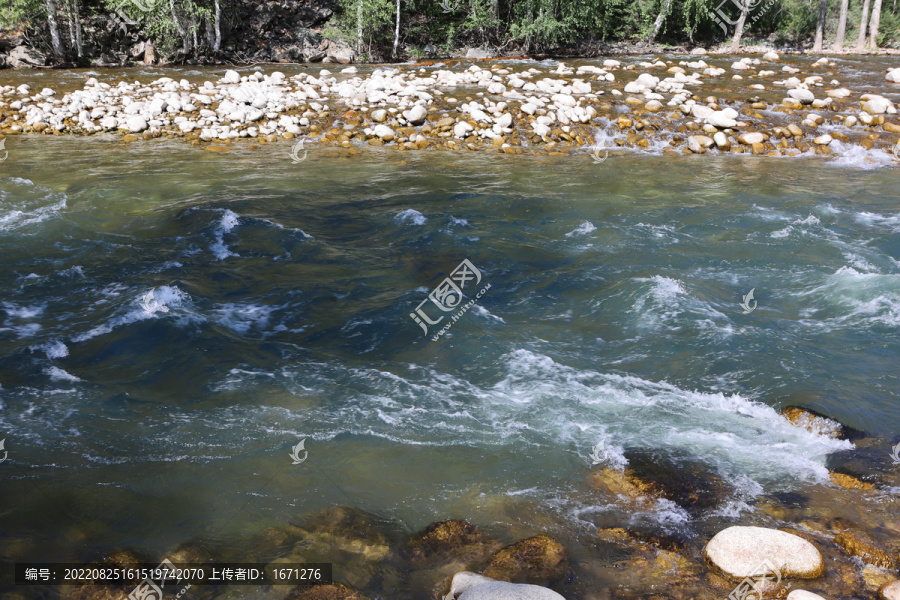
(769, 106)
(825, 541)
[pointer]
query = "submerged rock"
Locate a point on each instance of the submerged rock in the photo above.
(691, 484)
(861, 544)
(741, 552)
(447, 539)
(540, 560)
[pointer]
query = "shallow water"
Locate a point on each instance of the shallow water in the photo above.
(174, 321)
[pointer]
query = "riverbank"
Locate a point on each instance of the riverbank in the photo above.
(769, 105)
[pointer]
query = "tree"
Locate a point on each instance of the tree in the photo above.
(55, 42)
(873, 24)
(739, 28)
(842, 27)
(217, 40)
(861, 39)
(657, 25)
(397, 31)
(820, 26)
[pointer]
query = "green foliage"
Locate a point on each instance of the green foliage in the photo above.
(524, 25)
(15, 13)
(376, 18)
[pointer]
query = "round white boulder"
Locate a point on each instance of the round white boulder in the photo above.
(803, 595)
(742, 551)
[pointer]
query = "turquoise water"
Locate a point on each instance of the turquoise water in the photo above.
(173, 322)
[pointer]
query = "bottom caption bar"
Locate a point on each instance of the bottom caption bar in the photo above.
(173, 574)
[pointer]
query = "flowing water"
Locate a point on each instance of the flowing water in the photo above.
(173, 322)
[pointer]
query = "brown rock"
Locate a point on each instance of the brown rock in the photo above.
(620, 483)
(891, 127)
(538, 560)
(818, 423)
(214, 148)
(130, 138)
(443, 538)
(861, 544)
(849, 482)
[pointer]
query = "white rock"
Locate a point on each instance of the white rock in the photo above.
(804, 96)
(823, 140)
(384, 132)
(496, 88)
(721, 119)
(461, 129)
(501, 590)
(416, 115)
(379, 116)
(109, 123)
(529, 108)
(540, 129)
(876, 105)
(803, 595)
(892, 590)
(471, 586)
(754, 137)
(136, 124)
(771, 56)
(232, 77)
(893, 75)
(741, 551)
(721, 139)
(699, 143)
(701, 111)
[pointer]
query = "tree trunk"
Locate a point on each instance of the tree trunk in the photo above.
(79, 46)
(397, 30)
(861, 39)
(820, 26)
(55, 42)
(359, 32)
(842, 27)
(217, 41)
(71, 20)
(739, 28)
(660, 19)
(873, 24)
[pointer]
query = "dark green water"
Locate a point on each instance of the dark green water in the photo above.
(172, 322)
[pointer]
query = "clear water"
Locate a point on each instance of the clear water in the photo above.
(173, 321)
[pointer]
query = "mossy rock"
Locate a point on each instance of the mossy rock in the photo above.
(538, 560)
